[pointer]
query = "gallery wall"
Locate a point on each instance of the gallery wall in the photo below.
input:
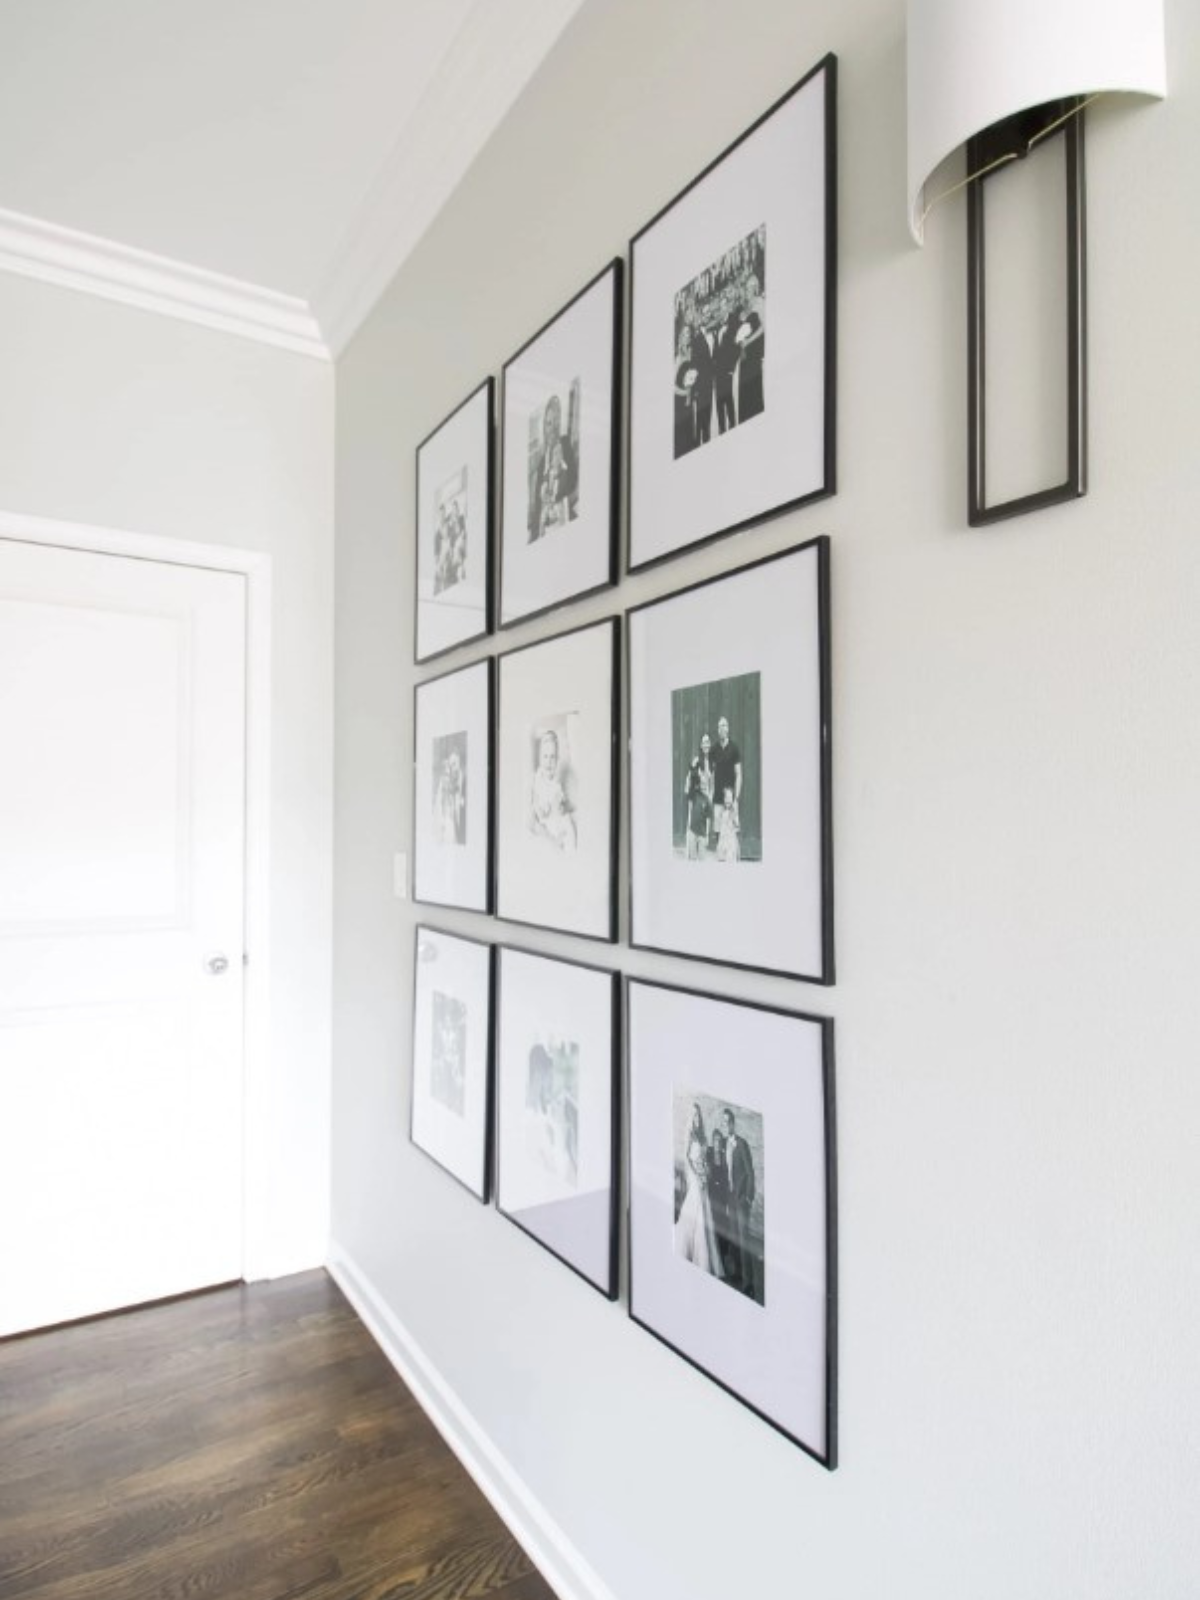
(122, 419)
(1016, 781)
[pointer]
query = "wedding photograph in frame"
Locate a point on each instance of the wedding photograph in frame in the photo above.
(560, 455)
(450, 1116)
(557, 1107)
(732, 1199)
(732, 334)
(454, 527)
(731, 851)
(556, 769)
(452, 788)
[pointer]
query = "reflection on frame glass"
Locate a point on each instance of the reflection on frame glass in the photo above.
(556, 765)
(729, 768)
(732, 319)
(732, 1199)
(454, 528)
(560, 405)
(556, 1109)
(452, 793)
(451, 1087)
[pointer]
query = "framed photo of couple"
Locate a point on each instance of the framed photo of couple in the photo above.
(731, 853)
(451, 1088)
(454, 527)
(452, 789)
(557, 1049)
(560, 405)
(733, 317)
(732, 1199)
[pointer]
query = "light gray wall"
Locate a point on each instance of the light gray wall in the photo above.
(1017, 782)
(123, 419)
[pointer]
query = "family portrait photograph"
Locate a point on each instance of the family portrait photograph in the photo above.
(732, 415)
(719, 1190)
(556, 782)
(450, 1094)
(733, 1256)
(730, 771)
(452, 783)
(454, 528)
(720, 339)
(716, 737)
(560, 413)
(557, 1038)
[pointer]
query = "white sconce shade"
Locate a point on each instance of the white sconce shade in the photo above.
(973, 63)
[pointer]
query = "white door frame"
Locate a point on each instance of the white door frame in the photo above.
(255, 566)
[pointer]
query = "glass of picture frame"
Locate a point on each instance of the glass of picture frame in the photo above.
(556, 817)
(732, 1199)
(557, 1097)
(560, 409)
(451, 1089)
(452, 788)
(733, 320)
(453, 601)
(729, 768)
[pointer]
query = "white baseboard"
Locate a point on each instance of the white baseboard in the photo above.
(541, 1537)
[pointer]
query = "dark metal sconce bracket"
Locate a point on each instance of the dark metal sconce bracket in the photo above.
(1018, 136)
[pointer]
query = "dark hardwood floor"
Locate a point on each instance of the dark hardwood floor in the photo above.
(245, 1444)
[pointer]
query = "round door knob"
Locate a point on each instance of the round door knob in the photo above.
(216, 965)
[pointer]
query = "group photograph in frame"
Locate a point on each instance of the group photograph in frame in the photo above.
(451, 1089)
(731, 853)
(732, 1199)
(733, 321)
(560, 410)
(557, 1097)
(454, 527)
(556, 815)
(452, 788)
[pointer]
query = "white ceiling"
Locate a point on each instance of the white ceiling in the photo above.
(301, 146)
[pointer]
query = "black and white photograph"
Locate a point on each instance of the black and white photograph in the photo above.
(555, 807)
(454, 528)
(731, 851)
(731, 420)
(452, 1059)
(720, 341)
(716, 735)
(448, 1052)
(452, 790)
(449, 771)
(720, 1190)
(554, 429)
(556, 1108)
(732, 1199)
(450, 533)
(560, 400)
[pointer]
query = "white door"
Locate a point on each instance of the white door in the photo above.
(122, 806)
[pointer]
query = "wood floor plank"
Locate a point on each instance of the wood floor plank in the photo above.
(248, 1444)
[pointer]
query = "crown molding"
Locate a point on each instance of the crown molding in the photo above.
(492, 59)
(74, 260)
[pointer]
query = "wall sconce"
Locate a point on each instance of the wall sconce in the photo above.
(1003, 77)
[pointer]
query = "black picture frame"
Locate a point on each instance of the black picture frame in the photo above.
(690, 480)
(464, 1152)
(581, 1229)
(584, 339)
(675, 913)
(577, 891)
(656, 1270)
(442, 864)
(462, 445)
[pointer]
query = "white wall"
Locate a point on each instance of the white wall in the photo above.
(1017, 781)
(119, 418)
